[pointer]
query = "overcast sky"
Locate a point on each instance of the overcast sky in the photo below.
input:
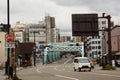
(33, 11)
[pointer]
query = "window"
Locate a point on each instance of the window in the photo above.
(92, 42)
(83, 60)
(103, 22)
(99, 47)
(18, 35)
(99, 42)
(96, 42)
(75, 60)
(93, 47)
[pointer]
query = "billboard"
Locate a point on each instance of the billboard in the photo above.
(85, 24)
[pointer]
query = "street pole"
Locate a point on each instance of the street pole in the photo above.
(109, 56)
(8, 24)
(109, 41)
(34, 50)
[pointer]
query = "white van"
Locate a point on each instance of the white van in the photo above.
(82, 63)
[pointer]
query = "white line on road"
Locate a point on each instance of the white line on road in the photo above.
(67, 77)
(38, 71)
(67, 61)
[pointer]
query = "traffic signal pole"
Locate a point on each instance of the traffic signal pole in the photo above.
(109, 41)
(34, 54)
(109, 29)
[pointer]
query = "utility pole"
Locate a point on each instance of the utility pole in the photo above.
(8, 31)
(34, 54)
(109, 56)
(109, 40)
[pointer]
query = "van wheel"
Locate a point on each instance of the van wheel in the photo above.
(80, 69)
(74, 69)
(90, 70)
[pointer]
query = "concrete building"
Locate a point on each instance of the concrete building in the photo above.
(50, 29)
(19, 31)
(95, 45)
(65, 38)
(3, 55)
(37, 33)
(43, 32)
(78, 39)
(115, 42)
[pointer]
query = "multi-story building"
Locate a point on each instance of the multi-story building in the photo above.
(50, 28)
(19, 32)
(95, 44)
(43, 32)
(37, 33)
(78, 39)
(65, 38)
(115, 42)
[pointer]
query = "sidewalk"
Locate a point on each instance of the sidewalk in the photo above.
(100, 67)
(2, 73)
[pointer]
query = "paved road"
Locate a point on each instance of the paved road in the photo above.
(2, 76)
(62, 70)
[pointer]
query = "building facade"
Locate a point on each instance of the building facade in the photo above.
(115, 42)
(19, 32)
(44, 32)
(95, 45)
(3, 50)
(37, 33)
(65, 38)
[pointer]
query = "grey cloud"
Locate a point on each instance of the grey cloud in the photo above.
(107, 6)
(68, 2)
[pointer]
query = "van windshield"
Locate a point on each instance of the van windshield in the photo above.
(83, 61)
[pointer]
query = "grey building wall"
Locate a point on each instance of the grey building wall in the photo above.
(3, 55)
(50, 28)
(37, 32)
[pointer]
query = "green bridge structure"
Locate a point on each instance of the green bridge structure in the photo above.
(53, 50)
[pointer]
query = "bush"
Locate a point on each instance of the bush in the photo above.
(109, 67)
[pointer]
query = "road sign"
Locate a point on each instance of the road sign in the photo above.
(10, 45)
(10, 38)
(41, 47)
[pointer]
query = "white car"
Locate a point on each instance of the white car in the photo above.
(82, 63)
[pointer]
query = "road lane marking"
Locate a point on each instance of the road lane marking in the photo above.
(67, 61)
(38, 71)
(58, 75)
(67, 77)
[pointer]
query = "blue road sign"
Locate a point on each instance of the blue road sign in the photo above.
(41, 46)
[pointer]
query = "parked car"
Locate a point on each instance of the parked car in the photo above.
(117, 63)
(91, 63)
(82, 64)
